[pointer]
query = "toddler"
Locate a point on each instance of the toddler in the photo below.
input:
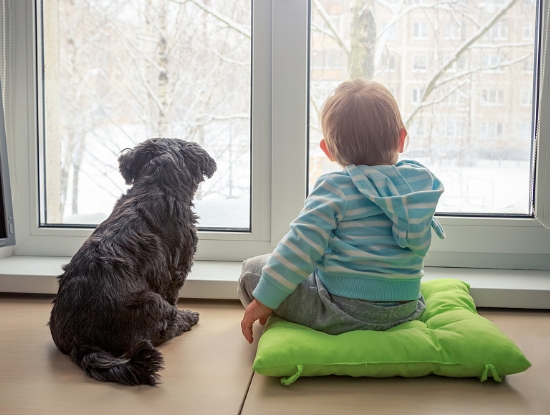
(353, 258)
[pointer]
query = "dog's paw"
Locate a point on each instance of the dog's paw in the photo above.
(192, 317)
(186, 320)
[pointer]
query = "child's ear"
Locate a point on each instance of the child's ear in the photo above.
(402, 137)
(323, 146)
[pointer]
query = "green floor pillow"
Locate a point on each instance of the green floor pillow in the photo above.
(450, 339)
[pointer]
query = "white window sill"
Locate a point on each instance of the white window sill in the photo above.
(218, 280)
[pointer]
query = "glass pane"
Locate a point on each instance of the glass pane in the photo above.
(118, 72)
(462, 74)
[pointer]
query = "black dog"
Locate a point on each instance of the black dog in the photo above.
(117, 296)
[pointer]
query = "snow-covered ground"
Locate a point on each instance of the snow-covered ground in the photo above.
(492, 187)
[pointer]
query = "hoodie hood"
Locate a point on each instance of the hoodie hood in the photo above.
(408, 194)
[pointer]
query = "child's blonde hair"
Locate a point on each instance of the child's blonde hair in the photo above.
(361, 123)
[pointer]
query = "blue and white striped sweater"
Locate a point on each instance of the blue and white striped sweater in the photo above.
(365, 230)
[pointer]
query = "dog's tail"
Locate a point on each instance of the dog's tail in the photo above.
(139, 366)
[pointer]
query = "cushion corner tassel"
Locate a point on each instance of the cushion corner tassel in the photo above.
(291, 379)
(494, 373)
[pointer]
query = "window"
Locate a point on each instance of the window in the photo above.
(328, 59)
(420, 63)
(279, 132)
(492, 97)
(223, 239)
(388, 62)
(450, 127)
(457, 65)
(416, 95)
(7, 231)
(391, 31)
(498, 32)
(490, 130)
(448, 103)
(492, 5)
(452, 30)
(493, 63)
(420, 30)
(171, 70)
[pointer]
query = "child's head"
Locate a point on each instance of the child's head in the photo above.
(362, 125)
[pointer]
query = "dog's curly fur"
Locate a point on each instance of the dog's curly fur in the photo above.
(117, 296)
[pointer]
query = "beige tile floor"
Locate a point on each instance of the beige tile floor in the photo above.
(208, 371)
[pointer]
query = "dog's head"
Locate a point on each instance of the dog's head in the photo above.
(161, 159)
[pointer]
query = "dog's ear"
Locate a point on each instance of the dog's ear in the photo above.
(199, 161)
(131, 161)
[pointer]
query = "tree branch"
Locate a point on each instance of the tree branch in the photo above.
(335, 35)
(462, 75)
(447, 95)
(431, 6)
(230, 23)
(461, 49)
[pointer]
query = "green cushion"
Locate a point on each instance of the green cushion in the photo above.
(450, 339)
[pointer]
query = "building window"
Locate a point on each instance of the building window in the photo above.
(420, 30)
(420, 63)
(499, 31)
(416, 95)
(452, 30)
(526, 97)
(490, 130)
(492, 96)
(391, 31)
(493, 63)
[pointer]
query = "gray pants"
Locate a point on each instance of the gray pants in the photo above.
(313, 306)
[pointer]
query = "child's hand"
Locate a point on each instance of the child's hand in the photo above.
(254, 311)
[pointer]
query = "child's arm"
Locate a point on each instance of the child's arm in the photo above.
(296, 256)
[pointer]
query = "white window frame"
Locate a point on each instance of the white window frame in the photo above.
(279, 151)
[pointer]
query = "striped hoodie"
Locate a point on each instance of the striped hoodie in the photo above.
(364, 230)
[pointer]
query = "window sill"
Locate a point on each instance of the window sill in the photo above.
(37, 275)
(218, 280)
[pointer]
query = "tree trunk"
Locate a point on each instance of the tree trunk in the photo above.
(363, 40)
(163, 84)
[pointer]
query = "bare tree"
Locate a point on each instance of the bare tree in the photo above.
(451, 70)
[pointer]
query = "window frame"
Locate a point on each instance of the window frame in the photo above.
(279, 150)
(63, 241)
